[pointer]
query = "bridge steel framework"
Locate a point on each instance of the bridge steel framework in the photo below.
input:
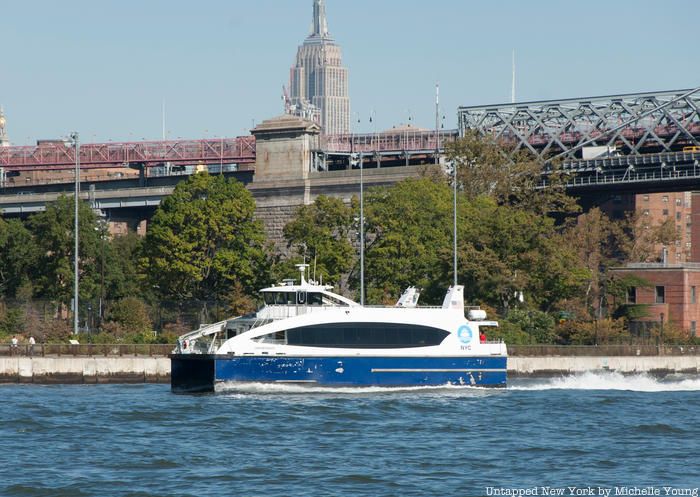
(56, 155)
(633, 123)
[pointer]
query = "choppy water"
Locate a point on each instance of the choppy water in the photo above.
(141, 440)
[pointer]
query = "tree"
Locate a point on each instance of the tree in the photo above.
(408, 239)
(53, 232)
(503, 252)
(602, 243)
(642, 241)
(130, 315)
(204, 238)
(122, 275)
(320, 234)
(506, 253)
(486, 167)
(18, 257)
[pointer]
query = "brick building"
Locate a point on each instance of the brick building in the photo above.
(683, 208)
(673, 295)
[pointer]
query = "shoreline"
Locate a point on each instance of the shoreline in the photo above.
(148, 369)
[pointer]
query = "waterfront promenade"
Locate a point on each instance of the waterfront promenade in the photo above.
(149, 363)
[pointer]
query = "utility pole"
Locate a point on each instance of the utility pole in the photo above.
(76, 284)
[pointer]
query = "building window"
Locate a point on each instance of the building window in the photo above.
(692, 295)
(678, 216)
(646, 212)
(646, 198)
(665, 212)
(632, 295)
(660, 295)
(678, 201)
(693, 328)
(665, 198)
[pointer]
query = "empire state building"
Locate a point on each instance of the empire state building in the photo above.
(318, 81)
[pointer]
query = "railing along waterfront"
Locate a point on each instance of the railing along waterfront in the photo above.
(86, 350)
(163, 350)
(601, 350)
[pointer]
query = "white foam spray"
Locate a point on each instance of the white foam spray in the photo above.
(611, 381)
(288, 388)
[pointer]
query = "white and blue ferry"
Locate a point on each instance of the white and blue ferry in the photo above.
(306, 334)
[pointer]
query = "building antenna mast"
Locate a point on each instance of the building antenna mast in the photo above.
(437, 123)
(512, 87)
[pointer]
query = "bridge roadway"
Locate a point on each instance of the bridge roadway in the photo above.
(282, 196)
(650, 173)
(57, 155)
(646, 173)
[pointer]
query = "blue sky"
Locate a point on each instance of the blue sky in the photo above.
(104, 67)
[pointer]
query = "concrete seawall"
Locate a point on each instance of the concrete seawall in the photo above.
(557, 365)
(84, 370)
(143, 369)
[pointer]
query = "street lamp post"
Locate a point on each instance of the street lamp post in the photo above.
(362, 233)
(76, 284)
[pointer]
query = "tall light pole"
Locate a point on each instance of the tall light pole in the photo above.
(362, 233)
(454, 218)
(76, 285)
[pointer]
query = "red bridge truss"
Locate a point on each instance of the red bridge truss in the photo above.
(56, 154)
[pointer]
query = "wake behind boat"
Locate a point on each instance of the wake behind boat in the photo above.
(306, 334)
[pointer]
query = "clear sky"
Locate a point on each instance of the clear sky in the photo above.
(104, 67)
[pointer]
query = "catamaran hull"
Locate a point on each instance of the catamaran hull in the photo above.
(200, 373)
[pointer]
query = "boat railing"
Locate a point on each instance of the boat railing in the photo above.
(395, 306)
(282, 311)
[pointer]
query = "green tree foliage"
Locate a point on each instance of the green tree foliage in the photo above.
(18, 258)
(54, 234)
(122, 275)
(600, 244)
(320, 234)
(503, 251)
(537, 324)
(486, 167)
(130, 315)
(506, 252)
(203, 238)
(408, 239)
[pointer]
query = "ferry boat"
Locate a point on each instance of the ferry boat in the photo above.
(306, 334)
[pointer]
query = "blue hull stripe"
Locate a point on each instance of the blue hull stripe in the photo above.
(363, 371)
(376, 370)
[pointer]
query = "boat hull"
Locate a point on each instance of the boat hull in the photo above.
(191, 373)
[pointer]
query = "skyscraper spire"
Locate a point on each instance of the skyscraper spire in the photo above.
(320, 24)
(318, 82)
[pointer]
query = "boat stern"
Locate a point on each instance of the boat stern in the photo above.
(192, 373)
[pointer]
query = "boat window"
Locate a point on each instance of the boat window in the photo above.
(328, 300)
(280, 298)
(314, 298)
(365, 335)
(278, 337)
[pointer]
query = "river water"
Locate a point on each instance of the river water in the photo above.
(594, 433)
